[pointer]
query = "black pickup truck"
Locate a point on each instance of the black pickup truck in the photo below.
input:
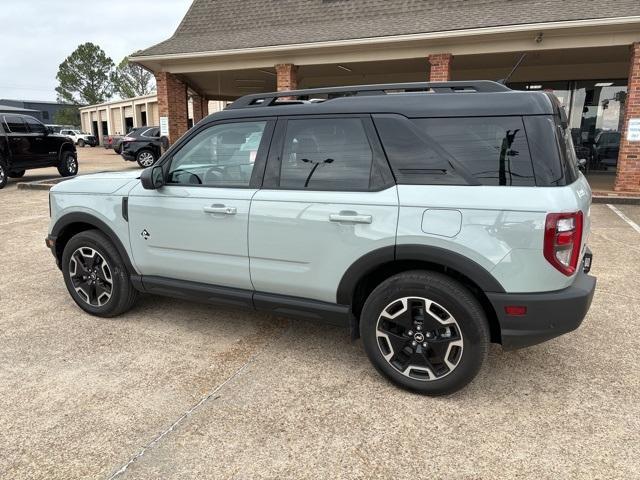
(26, 143)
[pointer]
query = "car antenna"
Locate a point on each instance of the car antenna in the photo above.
(515, 67)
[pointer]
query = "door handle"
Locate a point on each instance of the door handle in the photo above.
(220, 208)
(347, 216)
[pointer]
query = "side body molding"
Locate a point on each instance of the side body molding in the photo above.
(417, 253)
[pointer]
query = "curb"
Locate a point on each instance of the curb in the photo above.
(41, 184)
(616, 199)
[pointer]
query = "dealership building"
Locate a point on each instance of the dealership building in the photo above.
(586, 52)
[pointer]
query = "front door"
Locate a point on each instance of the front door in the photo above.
(44, 146)
(328, 199)
(195, 227)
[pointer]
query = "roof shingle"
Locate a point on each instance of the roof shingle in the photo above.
(212, 25)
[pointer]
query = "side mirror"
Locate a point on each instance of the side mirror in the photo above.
(48, 130)
(152, 178)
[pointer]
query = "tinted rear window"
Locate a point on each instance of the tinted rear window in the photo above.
(493, 150)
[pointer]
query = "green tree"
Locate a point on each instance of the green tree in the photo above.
(131, 80)
(85, 76)
(67, 116)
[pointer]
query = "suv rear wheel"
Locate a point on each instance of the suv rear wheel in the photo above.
(95, 275)
(81, 142)
(425, 332)
(145, 158)
(68, 166)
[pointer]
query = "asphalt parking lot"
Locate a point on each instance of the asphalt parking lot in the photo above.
(179, 390)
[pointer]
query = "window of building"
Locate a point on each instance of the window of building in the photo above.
(326, 154)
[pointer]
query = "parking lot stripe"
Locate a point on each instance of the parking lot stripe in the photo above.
(631, 223)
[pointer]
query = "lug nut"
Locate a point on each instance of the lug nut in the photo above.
(429, 335)
(410, 332)
(424, 344)
(419, 327)
(414, 344)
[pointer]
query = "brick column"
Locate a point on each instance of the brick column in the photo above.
(205, 107)
(628, 171)
(197, 108)
(287, 76)
(440, 67)
(172, 103)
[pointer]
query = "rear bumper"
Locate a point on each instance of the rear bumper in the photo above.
(128, 155)
(548, 314)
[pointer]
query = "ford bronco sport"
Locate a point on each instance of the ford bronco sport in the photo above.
(26, 143)
(431, 218)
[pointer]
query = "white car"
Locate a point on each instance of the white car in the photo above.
(79, 138)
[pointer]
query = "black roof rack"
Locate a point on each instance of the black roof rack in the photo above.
(268, 99)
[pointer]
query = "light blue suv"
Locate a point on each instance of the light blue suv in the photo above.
(430, 218)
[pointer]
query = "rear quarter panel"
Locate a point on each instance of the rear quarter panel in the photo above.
(500, 228)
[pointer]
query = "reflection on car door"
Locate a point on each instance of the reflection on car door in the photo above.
(195, 227)
(328, 199)
(19, 141)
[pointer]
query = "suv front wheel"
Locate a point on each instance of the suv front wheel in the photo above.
(95, 275)
(425, 332)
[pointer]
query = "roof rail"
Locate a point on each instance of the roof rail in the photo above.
(268, 99)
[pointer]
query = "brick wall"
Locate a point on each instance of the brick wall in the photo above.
(440, 67)
(287, 76)
(172, 103)
(197, 108)
(628, 173)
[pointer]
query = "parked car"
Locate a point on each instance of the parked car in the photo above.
(142, 145)
(417, 219)
(114, 142)
(26, 143)
(57, 128)
(79, 138)
(606, 149)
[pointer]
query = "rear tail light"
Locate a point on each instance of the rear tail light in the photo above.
(562, 240)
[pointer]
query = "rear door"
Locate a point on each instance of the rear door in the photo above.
(328, 199)
(20, 146)
(194, 228)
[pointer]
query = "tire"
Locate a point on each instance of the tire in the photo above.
(81, 143)
(145, 158)
(68, 166)
(4, 174)
(435, 353)
(118, 149)
(17, 173)
(107, 290)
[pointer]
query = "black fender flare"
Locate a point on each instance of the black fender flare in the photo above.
(72, 218)
(418, 253)
(64, 146)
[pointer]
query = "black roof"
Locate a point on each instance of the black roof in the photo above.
(412, 105)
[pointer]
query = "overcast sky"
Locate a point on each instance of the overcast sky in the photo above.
(37, 35)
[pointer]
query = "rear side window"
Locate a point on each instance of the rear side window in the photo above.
(493, 150)
(15, 124)
(326, 154)
(478, 150)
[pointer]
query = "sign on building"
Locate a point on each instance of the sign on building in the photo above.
(164, 126)
(633, 132)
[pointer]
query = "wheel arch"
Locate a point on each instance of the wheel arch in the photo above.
(365, 274)
(73, 223)
(65, 147)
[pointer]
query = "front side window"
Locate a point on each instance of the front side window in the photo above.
(221, 155)
(35, 126)
(326, 154)
(15, 124)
